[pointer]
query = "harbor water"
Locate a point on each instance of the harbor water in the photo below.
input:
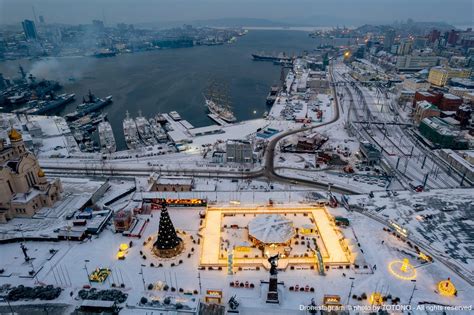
(174, 79)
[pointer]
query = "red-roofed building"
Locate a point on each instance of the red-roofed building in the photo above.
(450, 102)
(429, 96)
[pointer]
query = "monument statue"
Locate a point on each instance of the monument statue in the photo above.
(272, 295)
(273, 260)
(233, 304)
(312, 307)
(24, 249)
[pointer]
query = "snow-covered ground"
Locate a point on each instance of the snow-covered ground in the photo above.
(441, 218)
(301, 107)
(377, 248)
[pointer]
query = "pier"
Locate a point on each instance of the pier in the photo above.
(218, 120)
(186, 124)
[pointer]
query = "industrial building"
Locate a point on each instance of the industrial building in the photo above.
(239, 151)
(318, 81)
(415, 63)
(371, 154)
(441, 134)
(462, 161)
(157, 182)
(416, 84)
(439, 76)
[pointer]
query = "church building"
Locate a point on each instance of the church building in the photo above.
(24, 188)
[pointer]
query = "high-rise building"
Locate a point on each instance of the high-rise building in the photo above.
(98, 25)
(30, 29)
(388, 39)
(420, 42)
(404, 48)
(453, 37)
(434, 36)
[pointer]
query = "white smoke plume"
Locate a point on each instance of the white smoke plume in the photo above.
(51, 69)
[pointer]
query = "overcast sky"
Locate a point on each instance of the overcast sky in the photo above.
(152, 11)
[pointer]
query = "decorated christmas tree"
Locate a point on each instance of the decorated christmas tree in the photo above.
(168, 243)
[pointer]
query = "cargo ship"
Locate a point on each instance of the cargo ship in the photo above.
(90, 105)
(106, 138)
(104, 53)
(272, 95)
(281, 57)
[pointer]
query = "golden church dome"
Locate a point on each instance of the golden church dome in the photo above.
(41, 173)
(14, 135)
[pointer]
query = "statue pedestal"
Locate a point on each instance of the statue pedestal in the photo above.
(272, 295)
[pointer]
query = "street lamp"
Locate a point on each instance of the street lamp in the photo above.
(412, 292)
(143, 277)
(199, 278)
(350, 291)
(87, 272)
